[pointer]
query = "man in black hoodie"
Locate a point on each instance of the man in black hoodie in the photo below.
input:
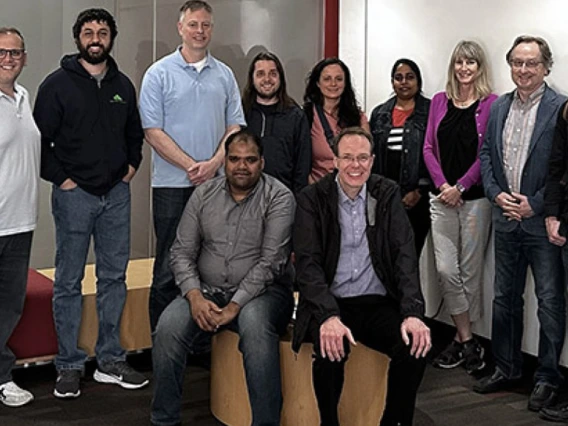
(91, 140)
(283, 127)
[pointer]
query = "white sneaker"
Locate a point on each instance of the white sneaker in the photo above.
(14, 396)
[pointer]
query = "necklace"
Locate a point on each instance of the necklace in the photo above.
(465, 103)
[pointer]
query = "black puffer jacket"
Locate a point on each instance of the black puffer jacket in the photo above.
(317, 237)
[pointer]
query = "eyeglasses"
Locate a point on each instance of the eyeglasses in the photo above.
(362, 159)
(14, 53)
(518, 64)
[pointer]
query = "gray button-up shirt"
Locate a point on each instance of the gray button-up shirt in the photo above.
(355, 275)
(234, 247)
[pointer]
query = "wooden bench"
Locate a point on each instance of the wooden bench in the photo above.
(362, 401)
(135, 324)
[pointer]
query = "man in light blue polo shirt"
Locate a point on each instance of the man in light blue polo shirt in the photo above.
(189, 103)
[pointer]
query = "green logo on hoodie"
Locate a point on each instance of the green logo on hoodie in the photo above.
(116, 99)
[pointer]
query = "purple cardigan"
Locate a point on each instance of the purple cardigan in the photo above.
(438, 109)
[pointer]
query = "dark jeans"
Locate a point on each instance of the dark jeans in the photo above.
(259, 325)
(167, 206)
(14, 261)
(514, 252)
(374, 321)
(80, 216)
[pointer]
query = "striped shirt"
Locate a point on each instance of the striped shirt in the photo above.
(517, 134)
(394, 141)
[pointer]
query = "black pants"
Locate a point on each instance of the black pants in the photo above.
(14, 260)
(419, 217)
(375, 322)
(167, 205)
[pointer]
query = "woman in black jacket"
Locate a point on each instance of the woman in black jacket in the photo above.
(398, 128)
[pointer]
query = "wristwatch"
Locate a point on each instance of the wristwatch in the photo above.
(460, 187)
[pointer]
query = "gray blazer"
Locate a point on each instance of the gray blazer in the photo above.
(535, 169)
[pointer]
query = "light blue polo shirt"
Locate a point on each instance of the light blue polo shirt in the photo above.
(193, 108)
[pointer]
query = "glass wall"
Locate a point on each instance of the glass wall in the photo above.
(292, 29)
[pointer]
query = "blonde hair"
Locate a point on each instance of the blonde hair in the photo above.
(467, 49)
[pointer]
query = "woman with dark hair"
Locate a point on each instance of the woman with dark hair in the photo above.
(460, 213)
(330, 104)
(398, 128)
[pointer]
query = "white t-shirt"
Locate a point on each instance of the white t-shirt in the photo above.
(19, 164)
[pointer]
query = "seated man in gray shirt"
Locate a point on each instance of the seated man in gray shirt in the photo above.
(357, 272)
(230, 260)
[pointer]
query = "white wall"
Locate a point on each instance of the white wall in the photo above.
(427, 31)
(374, 33)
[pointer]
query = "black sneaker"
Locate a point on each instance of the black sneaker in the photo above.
(450, 357)
(120, 373)
(473, 354)
(68, 384)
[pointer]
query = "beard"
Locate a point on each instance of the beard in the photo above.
(94, 58)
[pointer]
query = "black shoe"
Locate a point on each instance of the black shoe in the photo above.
(120, 373)
(494, 383)
(473, 354)
(450, 357)
(542, 396)
(555, 414)
(68, 384)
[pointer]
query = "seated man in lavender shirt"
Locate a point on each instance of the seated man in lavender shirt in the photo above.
(357, 272)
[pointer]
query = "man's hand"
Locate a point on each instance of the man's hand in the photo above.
(510, 206)
(202, 310)
(202, 171)
(332, 332)
(227, 314)
(552, 227)
(128, 176)
(525, 209)
(68, 184)
(421, 342)
(411, 199)
(450, 195)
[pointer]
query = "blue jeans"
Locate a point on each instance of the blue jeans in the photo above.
(167, 207)
(14, 261)
(514, 252)
(259, 324)
(79, 216)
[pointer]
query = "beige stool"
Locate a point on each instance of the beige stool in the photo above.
(362, 401)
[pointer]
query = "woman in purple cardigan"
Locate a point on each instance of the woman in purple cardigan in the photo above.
(460, 213)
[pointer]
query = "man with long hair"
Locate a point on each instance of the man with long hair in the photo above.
(276, 118)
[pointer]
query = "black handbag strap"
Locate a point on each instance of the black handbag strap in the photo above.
(325, 124)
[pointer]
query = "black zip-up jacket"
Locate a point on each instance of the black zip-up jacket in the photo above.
(317, 237)
(413, 172)
(556, 189)
(88, 133)
(286, 141)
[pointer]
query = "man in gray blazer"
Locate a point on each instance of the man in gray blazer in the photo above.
(514, 165)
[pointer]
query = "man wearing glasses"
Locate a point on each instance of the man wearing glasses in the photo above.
(514, 165)
(357, 271)
(19, 174)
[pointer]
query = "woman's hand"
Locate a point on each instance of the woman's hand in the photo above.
(450, 195)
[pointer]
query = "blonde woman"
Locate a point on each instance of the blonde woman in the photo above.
(460, 213)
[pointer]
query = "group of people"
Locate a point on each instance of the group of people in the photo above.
(252, 194)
